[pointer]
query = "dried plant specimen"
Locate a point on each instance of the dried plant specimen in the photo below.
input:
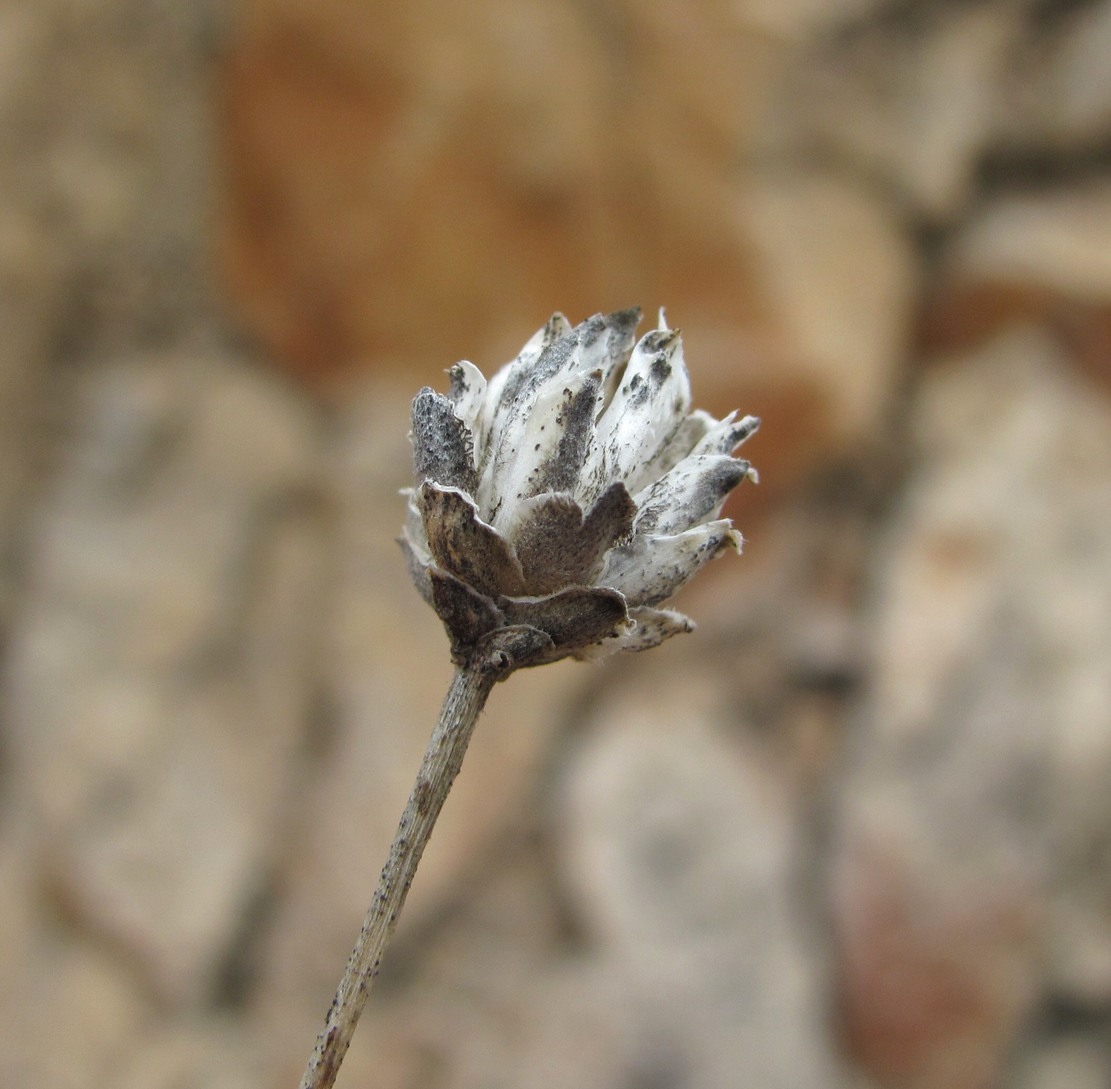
(556, 507)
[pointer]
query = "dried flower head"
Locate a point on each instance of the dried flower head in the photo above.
(560, 503)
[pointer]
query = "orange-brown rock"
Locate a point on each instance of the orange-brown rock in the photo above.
(414, 184)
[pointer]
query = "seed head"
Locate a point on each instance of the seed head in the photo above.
(560, 503)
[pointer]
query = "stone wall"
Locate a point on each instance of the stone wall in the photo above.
(854, 832)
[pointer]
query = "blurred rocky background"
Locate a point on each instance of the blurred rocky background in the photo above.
(854, 833)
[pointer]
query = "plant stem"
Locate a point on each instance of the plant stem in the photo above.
(464, 702)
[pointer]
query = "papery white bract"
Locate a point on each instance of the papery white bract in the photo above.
(559, 503)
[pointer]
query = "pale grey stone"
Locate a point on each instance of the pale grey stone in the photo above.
(913, 101)
(1058, 241)
(974, 807)
(680, 852)
(1072, 1062)
(1057, 97)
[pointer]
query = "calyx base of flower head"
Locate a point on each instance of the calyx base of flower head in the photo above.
(531, 631)
(505, 650)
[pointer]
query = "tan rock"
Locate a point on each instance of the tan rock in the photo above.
(799, 19)
(157, 682)
(837, 273)
(209, 1052)
(71, 1012)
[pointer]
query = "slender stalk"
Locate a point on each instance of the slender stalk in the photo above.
(462, 706)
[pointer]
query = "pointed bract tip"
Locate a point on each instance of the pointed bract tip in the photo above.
(627, 319)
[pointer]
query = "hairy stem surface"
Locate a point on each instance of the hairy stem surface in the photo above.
(462, 706)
